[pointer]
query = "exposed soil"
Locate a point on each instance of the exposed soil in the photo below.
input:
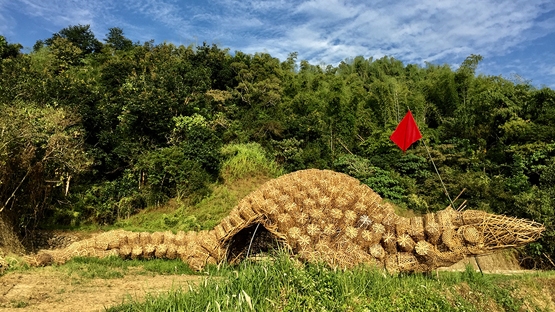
(50, 290)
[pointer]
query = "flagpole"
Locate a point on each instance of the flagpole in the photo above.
(439, 175)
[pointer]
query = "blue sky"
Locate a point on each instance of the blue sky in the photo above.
(513, 36)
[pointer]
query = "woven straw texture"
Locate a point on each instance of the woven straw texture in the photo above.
(321, 216)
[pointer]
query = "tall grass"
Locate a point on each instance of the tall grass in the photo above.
(244, 160)
(285, 285)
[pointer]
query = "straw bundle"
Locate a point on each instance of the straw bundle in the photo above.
(133, 239)
(329, 229)
(316, 213)
(473, 216)
(450, 238)
(313, 230)
(171, 252)
(377, 251)
(157, 238)
(350, 217)
(336, 213)
(294, 233)
(406, 262)
(161, 251)
(405, 243)
(364, 222)
(351, 232)
(220, 231)
(471, 235)
(180, 238)
(402, 226)
(144, 238)
(148, 251)
(416, 230)
(125, 251)
(389, 243)
(443, 219)
(324, 202)
(136, 252)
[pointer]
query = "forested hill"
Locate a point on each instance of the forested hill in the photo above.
(92, 131)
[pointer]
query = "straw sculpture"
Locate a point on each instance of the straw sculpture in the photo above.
(320, 216)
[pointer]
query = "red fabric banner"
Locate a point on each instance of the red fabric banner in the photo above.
(406, 133)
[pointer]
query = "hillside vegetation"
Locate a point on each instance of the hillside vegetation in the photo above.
(93, 133)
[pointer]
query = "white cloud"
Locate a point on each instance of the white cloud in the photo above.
(320, 30)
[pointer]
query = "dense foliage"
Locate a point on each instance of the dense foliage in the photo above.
(93, 131)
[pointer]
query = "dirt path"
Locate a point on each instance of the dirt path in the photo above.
(49, 290)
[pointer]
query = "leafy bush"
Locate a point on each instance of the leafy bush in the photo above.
(383, 182)
(169, 172)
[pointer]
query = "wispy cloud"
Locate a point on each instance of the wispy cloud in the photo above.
(325, 31)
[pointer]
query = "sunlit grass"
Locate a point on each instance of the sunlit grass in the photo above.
(286, 285)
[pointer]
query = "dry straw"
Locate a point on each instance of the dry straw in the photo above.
(320, 215)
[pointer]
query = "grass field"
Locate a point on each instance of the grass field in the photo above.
(283, 284)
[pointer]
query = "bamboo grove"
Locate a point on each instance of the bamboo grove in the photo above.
(93, 131)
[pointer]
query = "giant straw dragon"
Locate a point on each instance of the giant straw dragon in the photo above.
(320, 216)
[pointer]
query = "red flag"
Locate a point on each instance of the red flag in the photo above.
(406, 133)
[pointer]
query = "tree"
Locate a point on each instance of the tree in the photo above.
(8, 50)
(117, 40)
(81, 36)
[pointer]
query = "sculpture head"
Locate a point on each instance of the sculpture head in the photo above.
(492, 231)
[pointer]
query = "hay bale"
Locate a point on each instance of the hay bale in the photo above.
(470, 217)
(144, 238)
(313, 230)
(136, 252)
(349, 217)
(133, 239)
(402, 226)
(389, 242)
(450, 238)
(351, 232)
(416, 230)
(125, 251)
(171, 252)
(148, 251)
(405, 242)
(377, 251)
(406, 262)
(157, 238)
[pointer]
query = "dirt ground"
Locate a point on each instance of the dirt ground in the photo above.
(49, 290)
